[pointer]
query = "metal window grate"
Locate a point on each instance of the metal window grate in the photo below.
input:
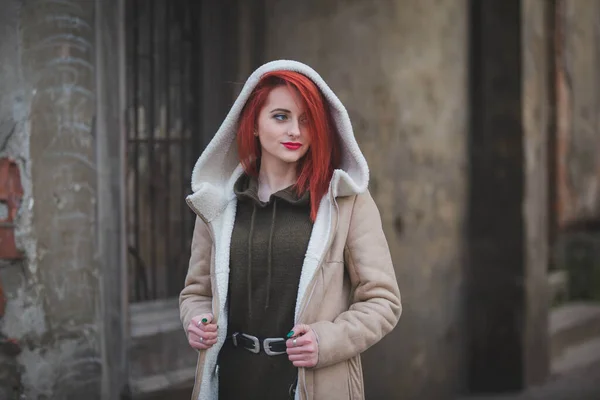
(164, 103)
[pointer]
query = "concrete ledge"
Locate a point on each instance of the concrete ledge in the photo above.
(573, 324)
(581, 384)
(163, 385)
(158, 343)
(578, 357)
(152, 317)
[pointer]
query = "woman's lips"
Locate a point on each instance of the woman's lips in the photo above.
(292, 146)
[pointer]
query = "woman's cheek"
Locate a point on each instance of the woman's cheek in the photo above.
(306, 149)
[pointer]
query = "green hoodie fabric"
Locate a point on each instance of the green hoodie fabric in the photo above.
(268, 246)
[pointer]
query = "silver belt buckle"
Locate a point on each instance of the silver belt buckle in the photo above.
(267, 348)
(254, 339)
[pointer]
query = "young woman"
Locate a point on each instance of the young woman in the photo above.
(290, 276)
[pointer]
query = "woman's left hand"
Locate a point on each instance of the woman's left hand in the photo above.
(302, 347)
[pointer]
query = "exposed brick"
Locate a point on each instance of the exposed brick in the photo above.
(11, 193)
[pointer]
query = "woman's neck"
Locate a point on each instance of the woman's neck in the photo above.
(274, 177)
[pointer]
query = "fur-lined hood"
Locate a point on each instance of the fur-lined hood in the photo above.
(219, 167)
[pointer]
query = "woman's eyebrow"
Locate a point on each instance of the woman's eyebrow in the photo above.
(281, 110)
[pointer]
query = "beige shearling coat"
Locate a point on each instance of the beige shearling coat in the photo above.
(348, 291)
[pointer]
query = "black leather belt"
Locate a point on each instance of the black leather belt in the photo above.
(271, 346)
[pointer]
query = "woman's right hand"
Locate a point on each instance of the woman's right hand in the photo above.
(202, 333)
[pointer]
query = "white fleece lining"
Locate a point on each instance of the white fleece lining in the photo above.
(314, 251)
(209, 390)
(213, 198)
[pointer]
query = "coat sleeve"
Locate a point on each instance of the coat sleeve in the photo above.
(196, 297)
(376, 305)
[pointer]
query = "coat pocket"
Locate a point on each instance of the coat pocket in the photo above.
(331, 383)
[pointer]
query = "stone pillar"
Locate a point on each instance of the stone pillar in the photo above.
(538, 94)
(400, 68)
(110, 140)
(507, 306)
(63, 358)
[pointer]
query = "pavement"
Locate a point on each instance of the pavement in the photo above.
(582, 384)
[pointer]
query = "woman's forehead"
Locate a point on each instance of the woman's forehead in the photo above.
(285, 97)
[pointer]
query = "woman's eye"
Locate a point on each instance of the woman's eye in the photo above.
(280, 117)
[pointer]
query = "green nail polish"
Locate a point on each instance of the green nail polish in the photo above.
(290, 334)
(204, 320)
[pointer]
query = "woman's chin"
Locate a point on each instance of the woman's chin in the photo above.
(290, 158)
(285, 157)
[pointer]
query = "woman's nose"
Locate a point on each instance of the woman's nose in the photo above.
(294, 129)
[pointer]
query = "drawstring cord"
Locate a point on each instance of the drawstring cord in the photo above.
(269, 256)
(249, 277)
(270, 251)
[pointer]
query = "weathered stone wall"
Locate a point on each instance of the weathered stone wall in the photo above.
(400, 67)
(47, 105)
(537, 96)
(578, 110)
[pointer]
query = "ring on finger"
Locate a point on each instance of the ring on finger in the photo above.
(201, 340)
(294, 342)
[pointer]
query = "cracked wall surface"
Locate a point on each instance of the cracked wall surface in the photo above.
(47, 105)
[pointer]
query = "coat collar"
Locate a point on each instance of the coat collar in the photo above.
(209, 201)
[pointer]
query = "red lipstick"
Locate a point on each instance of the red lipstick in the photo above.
(292, 145)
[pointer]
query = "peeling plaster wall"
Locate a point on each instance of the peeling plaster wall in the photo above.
(47, 104)
(400, 67)
(25, 314)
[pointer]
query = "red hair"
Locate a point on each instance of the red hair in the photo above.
(316, 167)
